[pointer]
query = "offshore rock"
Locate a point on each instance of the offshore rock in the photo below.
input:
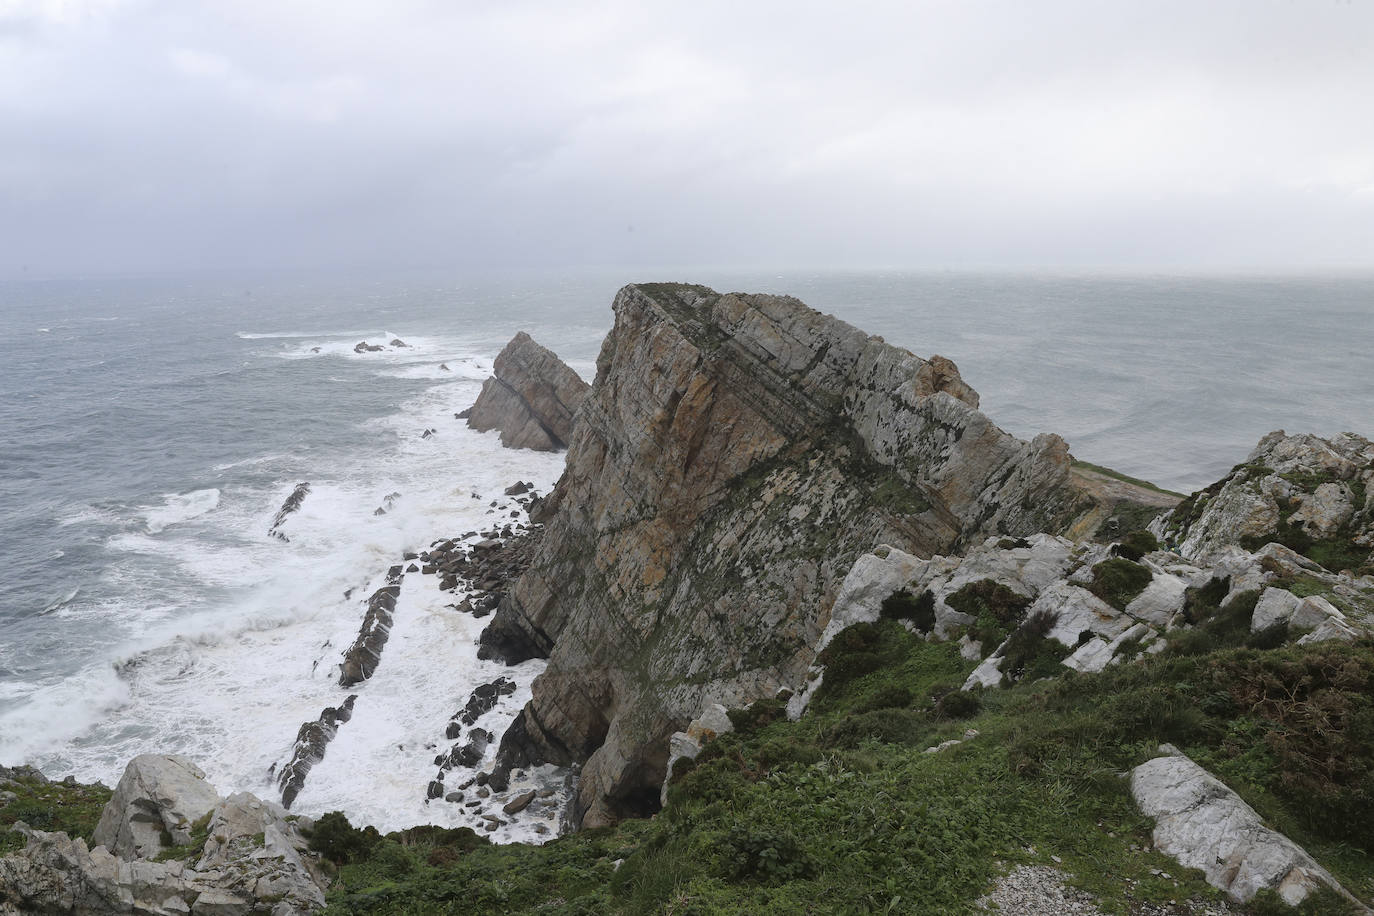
(531, 397)
(362, 658)
(292, 503)
(735, 455)
(311, 741)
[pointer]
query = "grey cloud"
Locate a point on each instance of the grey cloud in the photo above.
(149, 133)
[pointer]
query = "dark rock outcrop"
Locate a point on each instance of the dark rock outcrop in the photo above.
(531, 397)
(361, 658)
(292, 503)
(734, 457)
(311, 742)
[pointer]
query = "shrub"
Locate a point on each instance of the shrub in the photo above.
(757, 715)
(1118, 581)
(1030, 653)
(902, 605)
(765, 854)
(339, 841)
(856, 651)
(958, 704)
(1136, 544)
(892, 696)
(890, 726)
(995, 608)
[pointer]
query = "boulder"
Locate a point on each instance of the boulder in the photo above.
(1204, 825)
(531, 397)
(154, 805)
(364, 347)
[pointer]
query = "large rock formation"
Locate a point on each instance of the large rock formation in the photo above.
(531, 397)
(735, 455)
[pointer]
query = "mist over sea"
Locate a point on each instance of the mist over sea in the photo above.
(153, 427)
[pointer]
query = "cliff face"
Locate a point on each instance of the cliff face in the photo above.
(735, 455)
(531, 397)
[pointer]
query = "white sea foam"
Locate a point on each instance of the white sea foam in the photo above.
(224, 641)
(181, 507)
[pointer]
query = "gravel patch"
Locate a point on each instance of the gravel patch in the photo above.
(1039, 890)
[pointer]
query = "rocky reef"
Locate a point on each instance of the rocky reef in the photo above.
(531, 397)
(736, 453)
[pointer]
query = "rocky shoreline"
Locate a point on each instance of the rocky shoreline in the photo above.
(756, 495)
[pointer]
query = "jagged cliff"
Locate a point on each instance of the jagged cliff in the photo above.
(734, 456)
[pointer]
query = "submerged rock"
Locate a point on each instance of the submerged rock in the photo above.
(734, 457)
(531, 397)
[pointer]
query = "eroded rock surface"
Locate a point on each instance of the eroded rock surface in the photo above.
(735, 455)
(531, 397)
(158, 795)
(1204, 825)
(237, 855)
(311, 742)
(1310, 493)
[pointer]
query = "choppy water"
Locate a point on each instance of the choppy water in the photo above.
(153, 427)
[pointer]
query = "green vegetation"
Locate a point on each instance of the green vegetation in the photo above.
(844, 812)
(996, 609)
(1136, 544)
(902, 605)
(200, 832)
(1118, 581)
(53, 806)
(1117, 475)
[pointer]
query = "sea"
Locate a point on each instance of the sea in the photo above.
(154, 425)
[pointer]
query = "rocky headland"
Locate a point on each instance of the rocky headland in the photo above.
(858, 649)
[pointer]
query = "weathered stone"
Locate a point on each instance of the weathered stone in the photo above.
(726, 438)
(531, 397)
(519, 803)
(1305, 476)
(1204, 825)
(159, 794)
(254, 860)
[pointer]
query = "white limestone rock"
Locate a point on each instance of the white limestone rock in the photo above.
(158, 793)
(1204, 825)
(1161, 600)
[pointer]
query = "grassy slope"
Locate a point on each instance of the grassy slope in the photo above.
(52, 806)
(843, 812)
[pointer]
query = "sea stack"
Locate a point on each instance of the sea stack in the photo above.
(531, 397)
(735, 455)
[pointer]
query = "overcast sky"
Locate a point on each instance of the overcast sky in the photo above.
(147, 134)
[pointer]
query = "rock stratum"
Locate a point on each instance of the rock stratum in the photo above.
(531, 397)
(734, 456)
